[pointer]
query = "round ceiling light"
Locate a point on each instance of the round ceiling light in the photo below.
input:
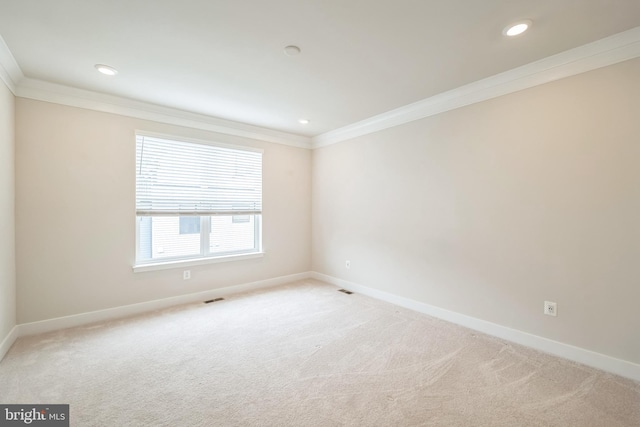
(292, 50)
(304, 121)
(106, 70)
(517, 28)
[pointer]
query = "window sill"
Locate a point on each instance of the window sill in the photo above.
(191, 262)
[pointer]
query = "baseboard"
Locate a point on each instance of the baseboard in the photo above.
(577, 354)
(8, 341)
(143, 307)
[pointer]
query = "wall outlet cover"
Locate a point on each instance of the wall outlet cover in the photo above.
(550, 308)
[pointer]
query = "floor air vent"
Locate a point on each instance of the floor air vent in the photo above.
(345, 291)
(214, 300)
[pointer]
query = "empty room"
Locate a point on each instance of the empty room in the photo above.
(320, 213)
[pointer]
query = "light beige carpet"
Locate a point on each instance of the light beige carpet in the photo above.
(305, 355)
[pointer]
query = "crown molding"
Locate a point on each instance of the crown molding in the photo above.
(65, 95)
(24, 87)
(608, 51)
(10, 72)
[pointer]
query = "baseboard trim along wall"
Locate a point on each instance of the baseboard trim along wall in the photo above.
(143, 307)
(8, 341)
(586, 357)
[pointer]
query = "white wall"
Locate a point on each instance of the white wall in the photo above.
(491, 209)
(487, 210)
(75, 186)
(7, 211)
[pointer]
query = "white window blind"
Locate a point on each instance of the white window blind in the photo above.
(185, 178)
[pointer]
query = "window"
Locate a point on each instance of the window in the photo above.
(189, 225)
(196, 200)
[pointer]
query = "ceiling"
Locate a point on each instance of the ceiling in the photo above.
(360, 58)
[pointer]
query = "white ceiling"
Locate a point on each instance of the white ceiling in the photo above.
(360, 58)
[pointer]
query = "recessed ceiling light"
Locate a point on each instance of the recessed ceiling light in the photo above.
(292, 50)
(303, 121)
(517, 28)
(106, 70)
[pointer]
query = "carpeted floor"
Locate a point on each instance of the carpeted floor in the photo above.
(305, 355)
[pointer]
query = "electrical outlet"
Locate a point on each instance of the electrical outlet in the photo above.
(550, 308)
(347, 264)
(186, 275)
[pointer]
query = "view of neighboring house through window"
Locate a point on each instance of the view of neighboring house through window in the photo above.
(196, 200)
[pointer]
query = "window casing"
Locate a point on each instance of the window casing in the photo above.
(196, 200)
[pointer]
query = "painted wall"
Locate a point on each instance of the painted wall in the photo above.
(75, 186)
(491, 209)
(7, 213)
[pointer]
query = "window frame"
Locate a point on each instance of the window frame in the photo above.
(205, 256)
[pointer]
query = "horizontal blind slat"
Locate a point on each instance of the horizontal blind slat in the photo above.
(156, 212)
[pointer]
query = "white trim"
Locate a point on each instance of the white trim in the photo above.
(587, 357)
(191, 262)
(65, 95)
(143, 307)
(608, 51)
(10, 72)
(8, 341)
